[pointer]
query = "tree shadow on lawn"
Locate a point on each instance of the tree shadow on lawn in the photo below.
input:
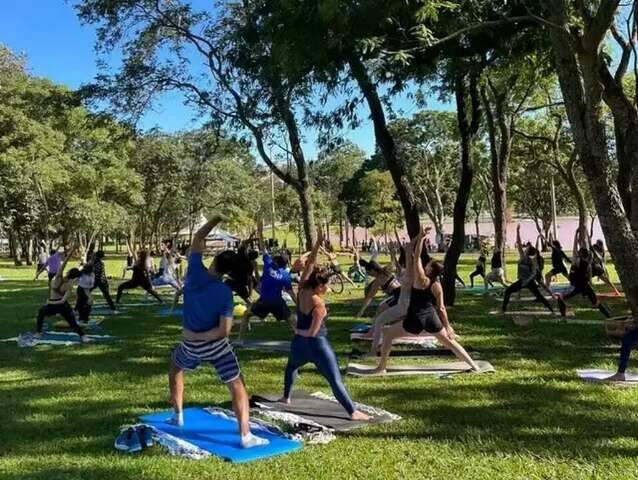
(535, 418)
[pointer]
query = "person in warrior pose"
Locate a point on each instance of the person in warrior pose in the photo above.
(207, 321)
(426, 311)
(141, 278)
(310, 343)
(58, 302)
(527, 274)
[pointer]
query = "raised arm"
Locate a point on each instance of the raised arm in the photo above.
(199, 240)
(519, 243)
(67, 256)
(420, 278)
(312, 259)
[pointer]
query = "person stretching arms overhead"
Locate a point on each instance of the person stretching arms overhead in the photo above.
(426, 299)
(207, 321)
(310, 344)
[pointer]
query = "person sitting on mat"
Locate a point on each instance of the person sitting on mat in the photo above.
(527, 273)
(275, 279)
(58, 303)
(558, 263)
(310, 343)
(426, 299)
(580, 278)
(207, 321)
(479, 270)
(497, 274)
(385, 281)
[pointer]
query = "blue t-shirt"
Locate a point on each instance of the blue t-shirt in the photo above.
(274, 280)
(206, 299)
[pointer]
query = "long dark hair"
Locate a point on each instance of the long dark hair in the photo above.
(317, 278)
(437, 270)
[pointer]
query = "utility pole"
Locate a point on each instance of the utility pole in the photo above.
(272, 204)
(553, 194)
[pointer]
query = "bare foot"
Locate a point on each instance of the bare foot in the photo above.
(360, 416)
(617, 377)
(284, 400)
(378, 371)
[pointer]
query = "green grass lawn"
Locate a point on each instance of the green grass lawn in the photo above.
(62, 407)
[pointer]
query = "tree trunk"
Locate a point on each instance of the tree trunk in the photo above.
(385, 142)
(307, 215)
(28, 248)
(498, 174)
(468, 116)
(581, 85)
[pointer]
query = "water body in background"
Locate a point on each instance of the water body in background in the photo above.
(565, 231)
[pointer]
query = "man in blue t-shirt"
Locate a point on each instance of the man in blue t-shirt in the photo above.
(274, 281)
(207, 321)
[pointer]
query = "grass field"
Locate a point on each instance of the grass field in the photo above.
(62, 407)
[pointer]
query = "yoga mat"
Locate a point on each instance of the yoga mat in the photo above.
(218, 434)
(571, 321)
(265, 345)
(412, 340)
(598, 376)
(322, 410)
(424, 352)
(167, 312)
(530, 313)
(610, 295)
(93, 322)
(361, 328)
(62, 338)
(439, 370)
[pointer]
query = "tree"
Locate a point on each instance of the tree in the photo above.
(577, 31)
(241, 85)
(333, 168)
(428, 145)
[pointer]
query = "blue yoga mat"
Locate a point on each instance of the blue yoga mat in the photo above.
(166, 312)
(72, 337)
(219, 435)
(360, 328)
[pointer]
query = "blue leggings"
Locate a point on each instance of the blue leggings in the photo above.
(316, 350)
(628, 341)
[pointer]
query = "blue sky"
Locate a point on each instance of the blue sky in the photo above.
(58, 47)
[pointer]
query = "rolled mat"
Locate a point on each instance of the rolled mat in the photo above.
(322, 409)
(218, 433)
(439, 370)
(600, 376)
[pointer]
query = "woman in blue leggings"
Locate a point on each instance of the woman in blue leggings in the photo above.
(628, 341)
(310, 344)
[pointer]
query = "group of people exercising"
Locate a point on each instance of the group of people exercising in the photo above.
(414, 305)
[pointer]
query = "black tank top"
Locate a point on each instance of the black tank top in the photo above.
(422, 299)
(304, 322)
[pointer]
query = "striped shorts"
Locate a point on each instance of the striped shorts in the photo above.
(188, 355)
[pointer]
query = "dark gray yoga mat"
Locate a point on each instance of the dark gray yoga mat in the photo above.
(264, 345)
(328, 413)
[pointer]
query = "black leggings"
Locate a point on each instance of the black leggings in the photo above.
(628, 341)
(477, 273)
(135, 283)
(532, 286)
(62, 309)
(104, 288)
(588, 292)
(82, 305)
